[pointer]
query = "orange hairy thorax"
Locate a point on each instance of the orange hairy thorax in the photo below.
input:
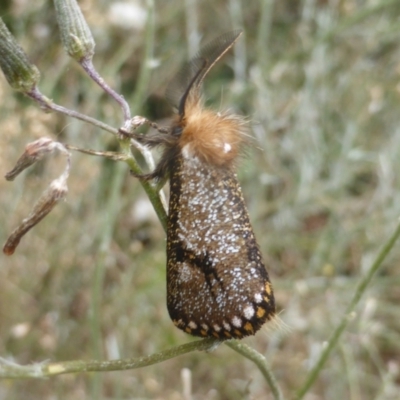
(215, 138)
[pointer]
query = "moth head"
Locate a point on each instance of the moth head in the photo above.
(212, 137)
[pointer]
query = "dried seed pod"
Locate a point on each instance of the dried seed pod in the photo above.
(56, 191)
(34, 152)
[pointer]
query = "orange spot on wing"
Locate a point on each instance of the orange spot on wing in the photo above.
(260, 312)
(248, 327)
(268, 288)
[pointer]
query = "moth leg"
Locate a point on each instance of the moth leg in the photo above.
(137, 121)
(156, 127)
(164, 136)
(139, 137)
(130, 126)
(152, 140)
(146, 177)
(159, 175)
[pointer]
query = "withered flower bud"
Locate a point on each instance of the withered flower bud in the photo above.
(34, 152)
(49, 199)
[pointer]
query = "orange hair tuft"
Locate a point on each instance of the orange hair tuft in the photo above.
(215, 138)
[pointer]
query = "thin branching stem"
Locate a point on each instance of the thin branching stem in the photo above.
(89, 68)
(348, 315)
(48, 105)
(111, 155)
(151, 190)
(261, 363)
(42, 370)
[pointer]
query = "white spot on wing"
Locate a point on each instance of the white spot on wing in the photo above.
(192, 325)
(258, 298)
(236, 321)
(216, 327)
(226, 326)
(248, 312)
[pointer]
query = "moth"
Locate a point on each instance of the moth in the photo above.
(217, 284)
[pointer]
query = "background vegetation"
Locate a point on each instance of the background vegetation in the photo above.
(319, 80)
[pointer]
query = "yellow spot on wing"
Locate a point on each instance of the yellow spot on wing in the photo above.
(268, 289)
(260, 312)
(248, 327)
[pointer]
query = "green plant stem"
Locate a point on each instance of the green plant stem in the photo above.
(42, 370)
(151, 190)
(261, 363)
(349, 314)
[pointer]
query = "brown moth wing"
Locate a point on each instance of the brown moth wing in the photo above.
(217, 283)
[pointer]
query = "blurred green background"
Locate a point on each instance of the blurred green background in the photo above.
(319, 82)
